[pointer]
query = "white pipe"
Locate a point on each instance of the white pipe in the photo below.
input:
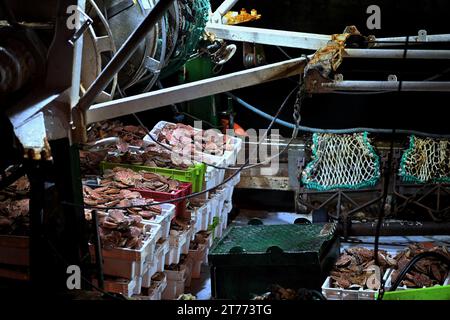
(386, 86)
(310, 41)
(384, 42)
(397, 54)
(226, 6)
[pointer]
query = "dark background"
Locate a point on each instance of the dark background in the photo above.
(420, 111)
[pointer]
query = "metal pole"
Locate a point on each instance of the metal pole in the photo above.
(195, 90)
(386, 86)
(291, 39)
(98, 251)
(222, 10)
(396, 54)
(398, 229)
(124, 53)
(395, 41)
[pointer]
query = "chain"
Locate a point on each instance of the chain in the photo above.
(298, 105)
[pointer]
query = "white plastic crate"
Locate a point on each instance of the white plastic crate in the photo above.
(227, 207)
(235, 181)
(174, 289)
(229, 189)
(129, 263)
(188, 263)
(215, 176)
(197, 256)
(212, 211)
(173, 256)
(196, 221)
(168, 212)
(204, 212)
(157, 264)
(218, 231)
(154, 292)
(147, 277)
(177, 241)
(125, 287)
(388, 283)
(189, 236)
(178, 238)
(174, 275)
(229, 156)
(157, 289)
(161, 253)
(224, 220)
(347, 294)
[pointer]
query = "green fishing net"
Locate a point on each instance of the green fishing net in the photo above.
(346, 161)
(426, 161)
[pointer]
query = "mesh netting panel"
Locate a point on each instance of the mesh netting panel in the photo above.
(342, 162)
(194, 15)
(426, 160)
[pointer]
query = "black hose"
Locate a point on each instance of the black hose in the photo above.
(417, 258)
(286, 124)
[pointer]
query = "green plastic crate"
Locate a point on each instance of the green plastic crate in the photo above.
(249, 259)
(433, 293)
(194, 175)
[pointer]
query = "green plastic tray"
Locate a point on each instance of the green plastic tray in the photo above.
(289, 238)
(194, 175)
(433, 293)
(247, 260)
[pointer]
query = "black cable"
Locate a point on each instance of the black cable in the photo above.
(338, 131)
(383, 205)
(284, 52)
(405, 52)
(416, 259)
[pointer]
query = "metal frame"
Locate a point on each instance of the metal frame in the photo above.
(85, 114)
(195, 90)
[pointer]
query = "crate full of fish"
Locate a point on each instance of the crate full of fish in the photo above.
(159, 284)
(126, 287)
(194, 174)
(150, 185)
(177, 241)
(355, 276)
(426, 273)
(197, 252)
(126, 244)
(163, 218)
(208, 146)
(176, 279)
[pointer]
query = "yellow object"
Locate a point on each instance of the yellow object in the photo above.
(234, 17)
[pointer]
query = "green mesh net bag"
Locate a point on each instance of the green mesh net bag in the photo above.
(426, 161)
(346, 161)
